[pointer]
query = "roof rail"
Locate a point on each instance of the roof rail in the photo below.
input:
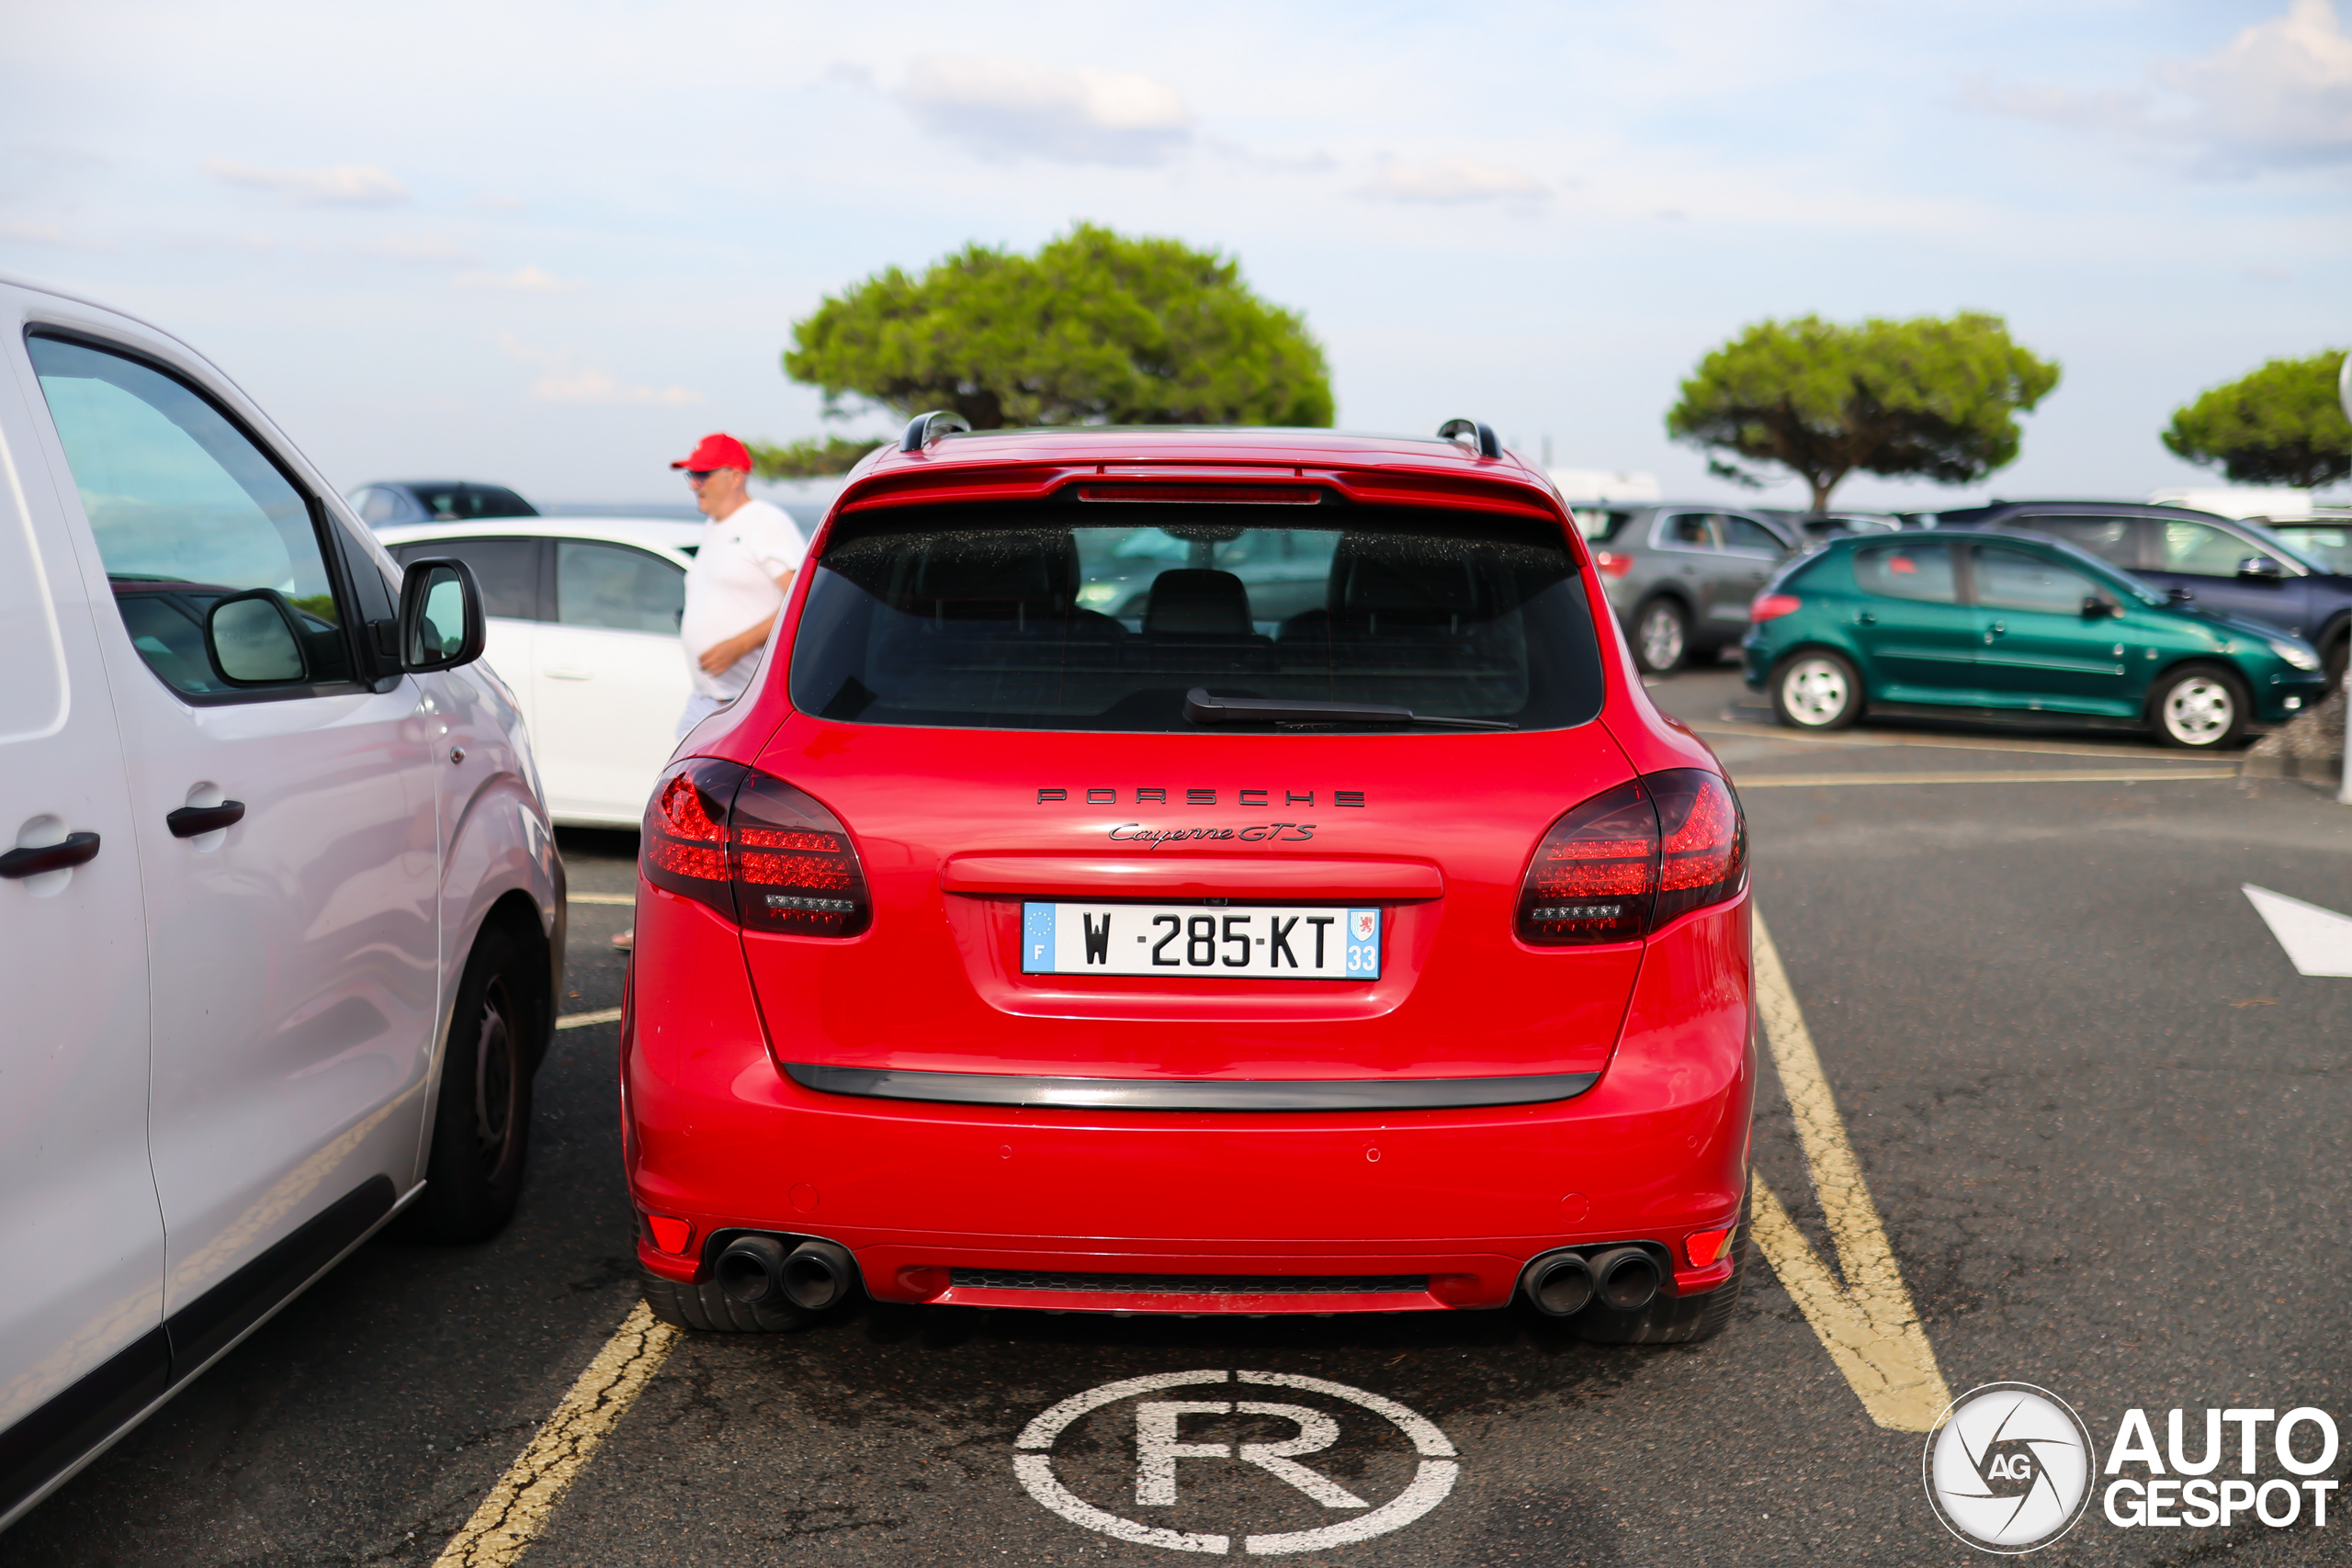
(927, 428)
(1455, 429)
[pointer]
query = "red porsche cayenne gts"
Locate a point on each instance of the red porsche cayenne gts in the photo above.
(1194, 870)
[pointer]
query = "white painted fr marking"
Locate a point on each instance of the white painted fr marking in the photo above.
(1867, 1323)
(1158, 1447)
(2318, 941)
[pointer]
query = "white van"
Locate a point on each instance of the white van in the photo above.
(281, 918)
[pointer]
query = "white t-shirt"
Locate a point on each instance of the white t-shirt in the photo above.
(732, 588)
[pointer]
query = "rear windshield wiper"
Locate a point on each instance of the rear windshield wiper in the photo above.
(1203, 708)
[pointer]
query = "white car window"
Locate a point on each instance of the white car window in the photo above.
(187, 512)
(617, 587)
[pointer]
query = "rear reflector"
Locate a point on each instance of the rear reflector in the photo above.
(671, 1235)
(760, 853)
(1772, 606)
(1629, 860)
(1706, 1246)
(1253, 495)
(1611, 564)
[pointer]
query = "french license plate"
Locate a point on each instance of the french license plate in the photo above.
(1196, 941)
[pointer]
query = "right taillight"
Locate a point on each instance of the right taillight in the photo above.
(1611, 564)
(760, 853)
(1628, 861)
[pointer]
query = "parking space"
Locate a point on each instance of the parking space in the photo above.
(2089, 1100)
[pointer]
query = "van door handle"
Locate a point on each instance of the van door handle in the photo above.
(77, 849)
(190, 820)
(571, 674)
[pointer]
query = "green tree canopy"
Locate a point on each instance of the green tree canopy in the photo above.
(1094, 328)
(814, 458)
(1926, 397)
(2281, 425)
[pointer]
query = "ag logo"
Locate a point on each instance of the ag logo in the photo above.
(1205, 1458)
(2008, 1467)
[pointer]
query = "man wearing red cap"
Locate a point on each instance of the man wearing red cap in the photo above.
(735, 589)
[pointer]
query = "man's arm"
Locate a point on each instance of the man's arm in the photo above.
(721, 657)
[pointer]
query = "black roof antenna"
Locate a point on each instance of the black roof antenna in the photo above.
(1453, 430)
(927, 428)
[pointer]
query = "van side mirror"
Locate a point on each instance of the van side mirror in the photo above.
(254, 639)
(2096, 608)
(441, 617)
(2261, 568)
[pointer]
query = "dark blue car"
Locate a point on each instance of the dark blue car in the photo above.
(2226, 566)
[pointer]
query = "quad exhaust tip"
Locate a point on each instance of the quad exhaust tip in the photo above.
(1561, 1284)
(758, 1270)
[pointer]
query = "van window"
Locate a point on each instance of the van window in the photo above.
(1102, 616)
(186, 511)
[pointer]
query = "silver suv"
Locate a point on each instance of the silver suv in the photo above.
(1680, 575)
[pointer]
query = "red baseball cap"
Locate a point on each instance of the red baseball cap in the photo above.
(718, 451)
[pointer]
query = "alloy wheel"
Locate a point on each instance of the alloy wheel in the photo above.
(1815, 691)
(2200, 711)
(1662, 636)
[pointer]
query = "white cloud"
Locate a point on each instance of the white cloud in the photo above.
(338, 185)
(2281, 92)
(1451, 180)
(522, 280)
(427, 249)
(1004, 110)
(560, 382)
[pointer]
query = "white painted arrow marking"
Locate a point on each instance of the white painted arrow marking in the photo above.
(2318, 941)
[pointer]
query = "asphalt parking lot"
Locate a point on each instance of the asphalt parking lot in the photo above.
(2101, 1121)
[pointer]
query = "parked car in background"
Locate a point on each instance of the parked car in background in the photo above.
(2324, 539)
(281, 921)
(388, 503)
(1817, 527)
(1680, 576)
(583, 627)
(2016, 623)
(2234, 567)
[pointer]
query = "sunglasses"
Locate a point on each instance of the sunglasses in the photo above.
(698, 475)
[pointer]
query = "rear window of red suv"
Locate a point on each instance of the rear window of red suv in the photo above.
(1089, 617)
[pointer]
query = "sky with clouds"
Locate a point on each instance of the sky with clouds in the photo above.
(550, 243)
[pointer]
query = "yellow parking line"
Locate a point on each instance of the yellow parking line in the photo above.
(1882, 739)
(582, 1020)
(1867, 1323)
(600, 899)
(1989, 775)
(518, 1507)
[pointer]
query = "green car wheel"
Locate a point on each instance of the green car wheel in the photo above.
(1815, 690)
(2202, 707)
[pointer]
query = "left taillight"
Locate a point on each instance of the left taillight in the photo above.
(765, 855)
(1772, 606)
(1628, 861)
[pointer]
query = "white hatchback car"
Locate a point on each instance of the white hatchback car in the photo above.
(583, 627)
(281, 918)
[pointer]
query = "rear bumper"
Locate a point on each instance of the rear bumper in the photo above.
(1436, 1208)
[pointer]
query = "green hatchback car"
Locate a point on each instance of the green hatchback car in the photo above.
(2016, 623)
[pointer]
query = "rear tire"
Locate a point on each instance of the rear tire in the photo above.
(482, 1121)
(1815, 689)
(1670, 1320)
(1661, 636)
(706, 1309)
(2200, 707)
